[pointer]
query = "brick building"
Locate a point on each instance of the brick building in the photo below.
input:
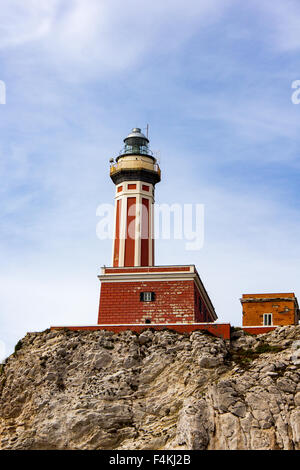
(161, 294)
(269, 310)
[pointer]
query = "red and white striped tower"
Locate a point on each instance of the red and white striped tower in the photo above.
(134, 172)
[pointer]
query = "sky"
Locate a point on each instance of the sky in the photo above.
(212, 78)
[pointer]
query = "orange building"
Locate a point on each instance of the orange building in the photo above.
(270, 310)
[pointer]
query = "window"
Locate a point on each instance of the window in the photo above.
(148, 321)
(267, 319)
(147, 296)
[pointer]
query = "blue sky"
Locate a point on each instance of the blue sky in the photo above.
(212, 78)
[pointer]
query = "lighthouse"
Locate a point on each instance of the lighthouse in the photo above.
(134, 290)
(135, 173)
(135, 293)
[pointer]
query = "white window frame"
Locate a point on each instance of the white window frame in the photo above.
(266, 319)
(147, 296)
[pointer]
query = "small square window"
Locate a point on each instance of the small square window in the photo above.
(267, 319)
(147, 296)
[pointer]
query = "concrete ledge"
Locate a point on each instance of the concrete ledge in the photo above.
(258, 330)
(221, 330)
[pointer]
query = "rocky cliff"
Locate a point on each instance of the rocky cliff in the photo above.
(156, 390)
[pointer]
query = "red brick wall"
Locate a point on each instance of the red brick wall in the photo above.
(174, 302)
(201, 311)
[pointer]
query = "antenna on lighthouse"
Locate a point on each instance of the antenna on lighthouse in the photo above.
(147, 131)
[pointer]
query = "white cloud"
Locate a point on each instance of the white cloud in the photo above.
(23, 22)
(282, 19)
(260, 119)
(103, 36)
(110, 35)
(255, 119)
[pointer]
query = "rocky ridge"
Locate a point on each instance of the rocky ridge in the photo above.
(154, 390)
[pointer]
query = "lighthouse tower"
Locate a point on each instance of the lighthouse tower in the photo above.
(134, 172)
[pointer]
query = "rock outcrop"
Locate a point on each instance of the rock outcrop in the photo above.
(157, 390)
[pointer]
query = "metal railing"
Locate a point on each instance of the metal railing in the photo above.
(115, 167)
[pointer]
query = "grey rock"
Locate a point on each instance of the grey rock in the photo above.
(238, 409)
(145, 337)
(207, 362)
(286, 385)
(158, 390)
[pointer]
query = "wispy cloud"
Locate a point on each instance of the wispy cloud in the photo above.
(282, 23)
(88, 38)
(26, 22)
